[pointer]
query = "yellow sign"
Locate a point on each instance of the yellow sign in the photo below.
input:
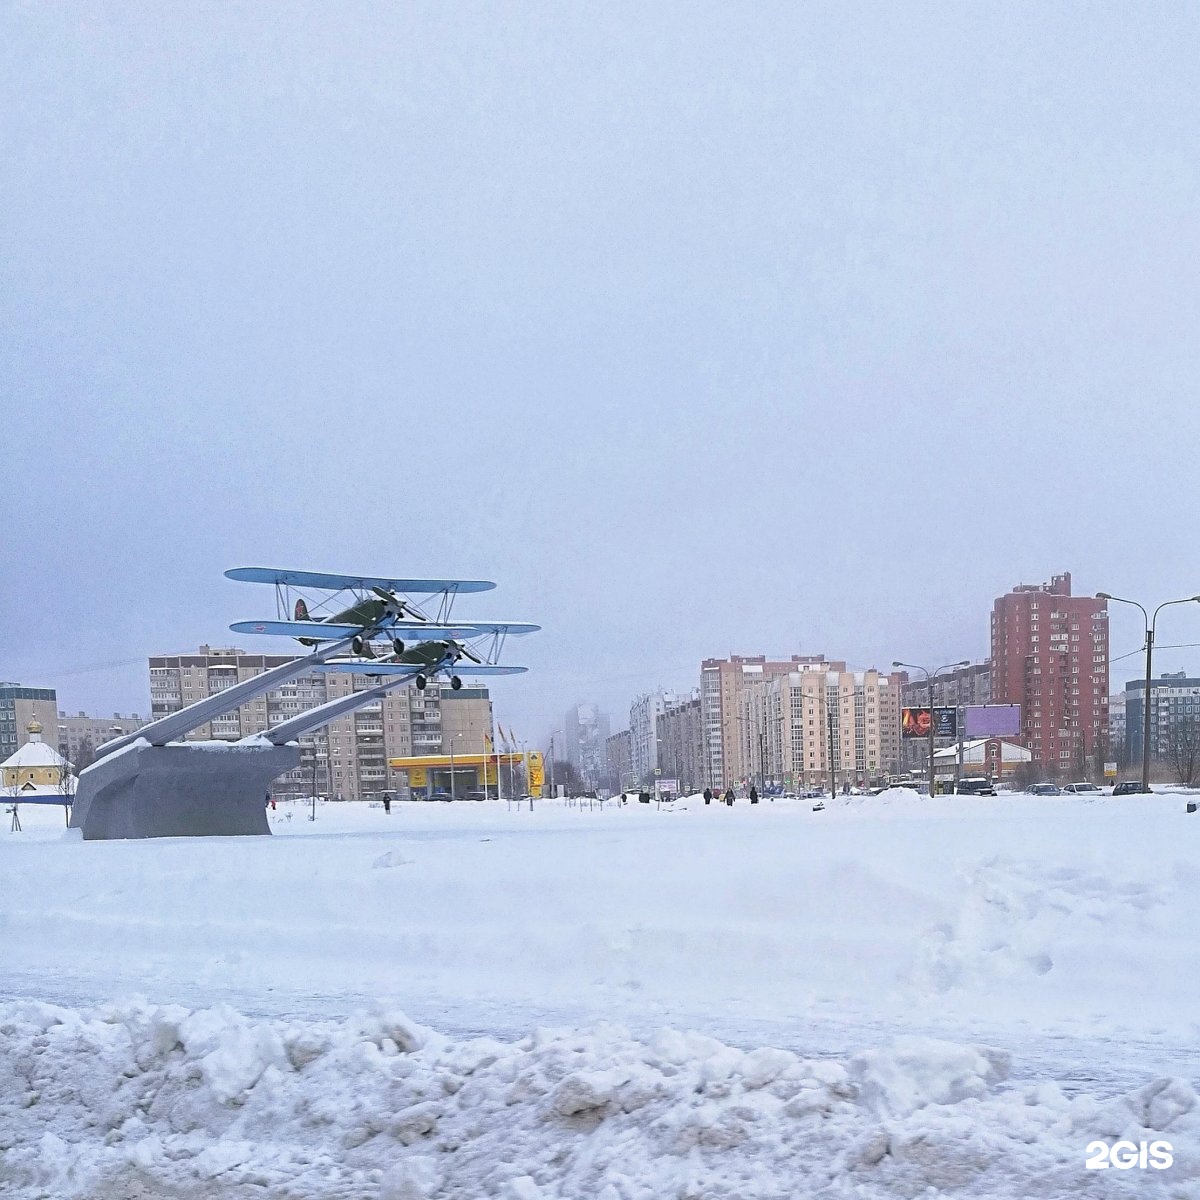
(416, 777)
(537, 773)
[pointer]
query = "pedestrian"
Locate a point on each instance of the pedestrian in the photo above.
(387, 802)
(708, 795)
(753, 794)
(729, 797)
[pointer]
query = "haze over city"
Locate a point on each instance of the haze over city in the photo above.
(701, 330)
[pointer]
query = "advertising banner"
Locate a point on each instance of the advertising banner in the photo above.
(537, 773)
(992, 720)
(914, 722)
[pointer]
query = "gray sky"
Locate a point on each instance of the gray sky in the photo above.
(699, 328)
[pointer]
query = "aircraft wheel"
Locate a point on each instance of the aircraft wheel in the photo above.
(398, 646)
(421, 681)
(357, 645)
(455, 682)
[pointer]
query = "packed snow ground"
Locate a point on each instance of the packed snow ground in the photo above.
(957, 994)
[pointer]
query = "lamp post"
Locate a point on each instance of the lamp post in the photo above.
(829, 718)
(929, 677)
(453, 739)
(1150, 623)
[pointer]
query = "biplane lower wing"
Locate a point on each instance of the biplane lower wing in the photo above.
(408, 631)
(362, 583)
(361, 667)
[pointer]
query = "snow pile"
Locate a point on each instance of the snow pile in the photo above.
(135, 1100)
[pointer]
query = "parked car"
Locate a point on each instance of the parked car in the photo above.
(1045, 789)
(975, 786)
(1083, 789)
(1128, 787)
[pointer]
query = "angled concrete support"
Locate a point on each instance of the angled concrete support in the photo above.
(314, 718)
(178, 724)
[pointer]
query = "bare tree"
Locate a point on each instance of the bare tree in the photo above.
(1184, 750)
(1025, 775)
(564, 773)
(84, 756)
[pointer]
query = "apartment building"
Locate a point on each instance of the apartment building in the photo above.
(643, 730)
(951, 689)
(1050, 655)
(1174, 717)
(618, 751)
(811, 726)
(21, 706)
(722, 681)
(79, 736)
(681, 744)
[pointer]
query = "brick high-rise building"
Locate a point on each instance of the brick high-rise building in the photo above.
(1050, 655)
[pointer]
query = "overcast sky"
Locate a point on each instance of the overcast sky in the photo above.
(699, 328)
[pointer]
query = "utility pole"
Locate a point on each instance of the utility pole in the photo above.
(1151, 622)
(832, 766)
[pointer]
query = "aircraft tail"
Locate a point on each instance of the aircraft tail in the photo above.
(302, 611)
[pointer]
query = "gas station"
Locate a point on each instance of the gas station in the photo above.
(458, 775)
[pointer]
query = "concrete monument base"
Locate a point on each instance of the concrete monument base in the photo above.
(181, 789)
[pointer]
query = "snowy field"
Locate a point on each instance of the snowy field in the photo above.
(897, 996)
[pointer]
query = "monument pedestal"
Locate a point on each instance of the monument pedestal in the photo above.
(181, 789)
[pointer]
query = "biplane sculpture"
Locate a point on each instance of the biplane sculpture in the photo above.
(155, 784)
(421, 644)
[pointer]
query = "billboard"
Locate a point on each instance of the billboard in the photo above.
(993, 720)
(536, 767)
(914, 722)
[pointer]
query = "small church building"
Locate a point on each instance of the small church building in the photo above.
(37, 771)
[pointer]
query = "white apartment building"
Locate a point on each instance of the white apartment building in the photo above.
(643, 730)
(813, 726)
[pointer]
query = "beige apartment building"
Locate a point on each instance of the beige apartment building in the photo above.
(348, 758)
(79, 736)
(812, 726)
(722, 683)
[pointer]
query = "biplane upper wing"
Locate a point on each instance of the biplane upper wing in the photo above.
(325, 631)
(339, 583)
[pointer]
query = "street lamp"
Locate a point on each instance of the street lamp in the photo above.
(453, 739)
(1150, 623)
(929, 677)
